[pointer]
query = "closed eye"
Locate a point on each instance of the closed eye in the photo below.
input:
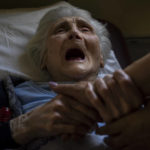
(84, 26)
(62, 27)
(85, 29)
(60, 30)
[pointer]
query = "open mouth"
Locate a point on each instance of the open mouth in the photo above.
(74, 54)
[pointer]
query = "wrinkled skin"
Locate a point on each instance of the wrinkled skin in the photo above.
(117, 96)
(72, 33)
(113, 96)
(77, 107)
(62, 115)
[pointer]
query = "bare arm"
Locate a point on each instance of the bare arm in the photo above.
(139, 71)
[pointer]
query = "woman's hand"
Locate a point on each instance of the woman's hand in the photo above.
(61, 116)
(115, 96)
(78, 91)
(131, 132)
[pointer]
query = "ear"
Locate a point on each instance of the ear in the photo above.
(43, 62)
(101, 61)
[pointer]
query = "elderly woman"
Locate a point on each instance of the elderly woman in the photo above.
(69, 45)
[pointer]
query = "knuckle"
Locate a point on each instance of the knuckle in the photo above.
(122, 77)
(85, 83)
(111, 83)
(56, 117)
(119, 72)
(88, 88)
(104, 91)
(58, 105)
(125, 81)
(108, 76)
(98, 81)
(101, 87)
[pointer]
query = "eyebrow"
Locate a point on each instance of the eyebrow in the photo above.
(84, 22)
(65, 23)
(61, 24)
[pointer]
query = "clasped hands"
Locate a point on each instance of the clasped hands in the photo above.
(79, 106)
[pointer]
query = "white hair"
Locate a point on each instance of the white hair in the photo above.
(37, 47)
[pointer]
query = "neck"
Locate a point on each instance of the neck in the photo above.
(74, 79)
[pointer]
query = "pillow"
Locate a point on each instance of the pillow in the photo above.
(17, 26)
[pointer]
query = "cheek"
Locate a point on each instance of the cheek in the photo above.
(51, 46)
(54, 43)
(94, 46)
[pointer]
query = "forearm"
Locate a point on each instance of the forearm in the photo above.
(21, 129)
(139, 71)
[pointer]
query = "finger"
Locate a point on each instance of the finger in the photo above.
(97, 103)
(131, 92)
(73, 90)
(120, 105)
(105, 93)
(87, 111)
(79, 112)
(66, 89)
(80, 118)
(111, 98)
(63, 111)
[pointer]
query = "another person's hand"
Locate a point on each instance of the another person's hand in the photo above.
(131, 132)
(61, 116)
(115, 96)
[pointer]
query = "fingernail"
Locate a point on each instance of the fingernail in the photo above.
(53, 84)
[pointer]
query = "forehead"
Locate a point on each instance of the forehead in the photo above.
(68, 20)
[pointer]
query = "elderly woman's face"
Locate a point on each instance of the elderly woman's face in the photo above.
(73, 50)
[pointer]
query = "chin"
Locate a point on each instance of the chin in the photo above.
(78, 74)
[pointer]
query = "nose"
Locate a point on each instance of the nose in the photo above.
(75, 34)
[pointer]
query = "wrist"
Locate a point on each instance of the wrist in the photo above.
(20, 130)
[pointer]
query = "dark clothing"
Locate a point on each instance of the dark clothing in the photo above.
(8, 110)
